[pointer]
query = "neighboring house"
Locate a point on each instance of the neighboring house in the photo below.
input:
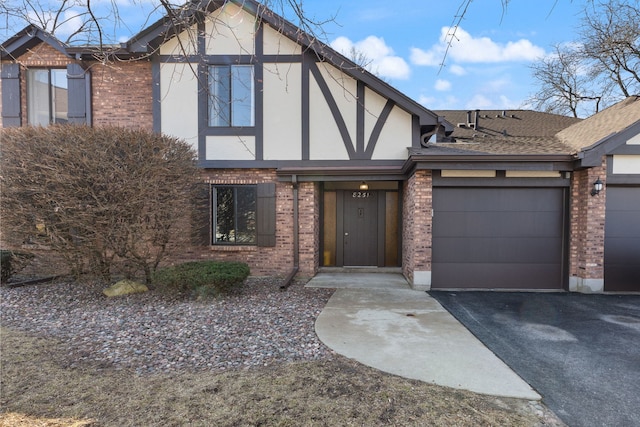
(311, 161)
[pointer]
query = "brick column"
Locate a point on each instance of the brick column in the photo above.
(586, 262)
(416, 229)
(309, 228)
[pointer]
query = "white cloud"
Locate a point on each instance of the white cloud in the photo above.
(380, 57)
(442, 85)
(481, 102)
(439, 103)
(467, 49)
(489, 102)
(457, 70)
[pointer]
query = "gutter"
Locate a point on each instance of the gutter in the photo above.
(296, 244)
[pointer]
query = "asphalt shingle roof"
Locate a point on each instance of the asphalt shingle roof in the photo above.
(606, 123)
(518, 123)
(505, 132)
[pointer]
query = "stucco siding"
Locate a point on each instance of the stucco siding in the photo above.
(275, 43)
(231, 31)
(185, 43)
(231, 148)
(626, 164)
(282, 113)
(179, 101)
(373, 106)
(395, 136)
(325, 141)
(634, 141)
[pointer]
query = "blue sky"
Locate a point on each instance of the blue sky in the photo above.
(487, 66)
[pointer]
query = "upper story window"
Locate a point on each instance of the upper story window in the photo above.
(47, 100)
(231, 96)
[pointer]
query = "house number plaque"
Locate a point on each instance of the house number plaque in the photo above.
(361, 194)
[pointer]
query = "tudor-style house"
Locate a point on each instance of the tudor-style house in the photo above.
(311, 161)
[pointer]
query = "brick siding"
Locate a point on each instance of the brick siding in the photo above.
(121, 91)
(278, 260)
(586, 257)
(122, 94)
(416, 224)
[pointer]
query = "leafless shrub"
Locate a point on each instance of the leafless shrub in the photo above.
(109, 200)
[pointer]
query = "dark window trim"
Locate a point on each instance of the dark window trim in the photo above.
(231, 129)
(51, 107)
(214, 212)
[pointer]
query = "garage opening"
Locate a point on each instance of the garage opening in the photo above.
(622, 240)
(499, 238)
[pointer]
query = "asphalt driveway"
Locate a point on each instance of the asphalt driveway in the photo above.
(580, 352)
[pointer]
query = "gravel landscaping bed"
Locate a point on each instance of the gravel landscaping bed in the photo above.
(257, 325)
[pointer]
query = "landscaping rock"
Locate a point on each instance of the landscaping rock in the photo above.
(125, 287)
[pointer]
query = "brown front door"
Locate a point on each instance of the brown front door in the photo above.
(360, 228)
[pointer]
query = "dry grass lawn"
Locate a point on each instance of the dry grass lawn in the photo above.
(38, 389)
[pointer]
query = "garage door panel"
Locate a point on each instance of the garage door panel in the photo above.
(502, 238)
(499, 224)
(498, 200)
(491, 250)
(626, 277)
(623, 250)
(623, 199)
(622, 240)
(496, 276)
(623, 223)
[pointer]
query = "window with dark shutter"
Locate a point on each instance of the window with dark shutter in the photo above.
(11, 111)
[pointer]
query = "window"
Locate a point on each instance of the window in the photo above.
(231, 96)
(234, 215)
(47, 100)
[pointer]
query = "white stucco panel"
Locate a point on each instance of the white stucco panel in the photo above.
(634, 141)
(344, 90)
(276, 43)
(325, 141)
(282, 112)
(395, 136)
(626, 164)
(231, 148)
(179, 101)
(185, 43)
(230, 31)
(373, 106)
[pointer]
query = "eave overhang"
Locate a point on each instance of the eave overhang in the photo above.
(341, 173)
(592, 155)
(27, 38)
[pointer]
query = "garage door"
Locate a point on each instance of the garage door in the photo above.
(498, 238)
(622, 239)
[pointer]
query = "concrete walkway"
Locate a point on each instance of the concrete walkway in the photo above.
(379, 321)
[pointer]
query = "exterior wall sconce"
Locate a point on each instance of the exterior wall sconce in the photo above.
(364, 186)
(597, 187)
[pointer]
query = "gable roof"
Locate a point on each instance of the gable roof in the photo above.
(151, 37)
(603, 125)
(26, 39)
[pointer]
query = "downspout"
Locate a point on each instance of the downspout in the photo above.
(296, 249)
